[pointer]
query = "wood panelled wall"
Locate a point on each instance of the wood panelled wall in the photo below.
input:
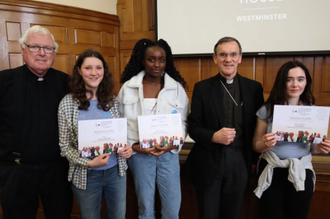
(137, 20)
(75, 30)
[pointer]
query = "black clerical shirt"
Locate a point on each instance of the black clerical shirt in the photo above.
(233, 112)
(28, 115)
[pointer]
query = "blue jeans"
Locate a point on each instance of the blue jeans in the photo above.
(165, 172)
(107, 183)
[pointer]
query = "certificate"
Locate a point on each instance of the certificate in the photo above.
(161, 130)
(304, 124)
(99, 136)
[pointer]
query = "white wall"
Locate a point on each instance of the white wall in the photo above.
(106, 6)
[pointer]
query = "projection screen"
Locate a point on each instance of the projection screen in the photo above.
(192, 27)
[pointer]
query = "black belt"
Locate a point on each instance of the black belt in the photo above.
(16, 157)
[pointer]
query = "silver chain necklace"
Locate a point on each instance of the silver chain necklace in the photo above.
(229, 93)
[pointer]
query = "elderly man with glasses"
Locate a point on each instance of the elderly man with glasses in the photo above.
(31, 168)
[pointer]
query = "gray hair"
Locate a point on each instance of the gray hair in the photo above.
(36, 29)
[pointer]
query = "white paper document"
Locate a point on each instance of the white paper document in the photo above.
(162, 130)
(305, 124)
(99, 136)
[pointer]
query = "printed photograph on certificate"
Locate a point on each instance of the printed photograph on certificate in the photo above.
(100, 136)
(162, 130)
(302, 124)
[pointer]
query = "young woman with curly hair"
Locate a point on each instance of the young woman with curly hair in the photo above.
(152, 85)
(91, 98)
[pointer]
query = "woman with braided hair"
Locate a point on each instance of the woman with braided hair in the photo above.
(152, 85)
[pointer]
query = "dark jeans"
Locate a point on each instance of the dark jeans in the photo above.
(22, 185)
(282, 198)
(224, 198)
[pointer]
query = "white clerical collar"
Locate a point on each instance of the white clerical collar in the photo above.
(230, 81)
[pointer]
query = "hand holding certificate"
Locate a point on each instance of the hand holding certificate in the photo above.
(98, 161)
(302, 124)
(160, 133)
(102, 136)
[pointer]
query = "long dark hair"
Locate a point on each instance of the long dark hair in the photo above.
(104, 91)
(278, 92)
(134, 66)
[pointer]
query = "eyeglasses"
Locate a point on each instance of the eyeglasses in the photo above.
(225, 55)
(46, 49)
